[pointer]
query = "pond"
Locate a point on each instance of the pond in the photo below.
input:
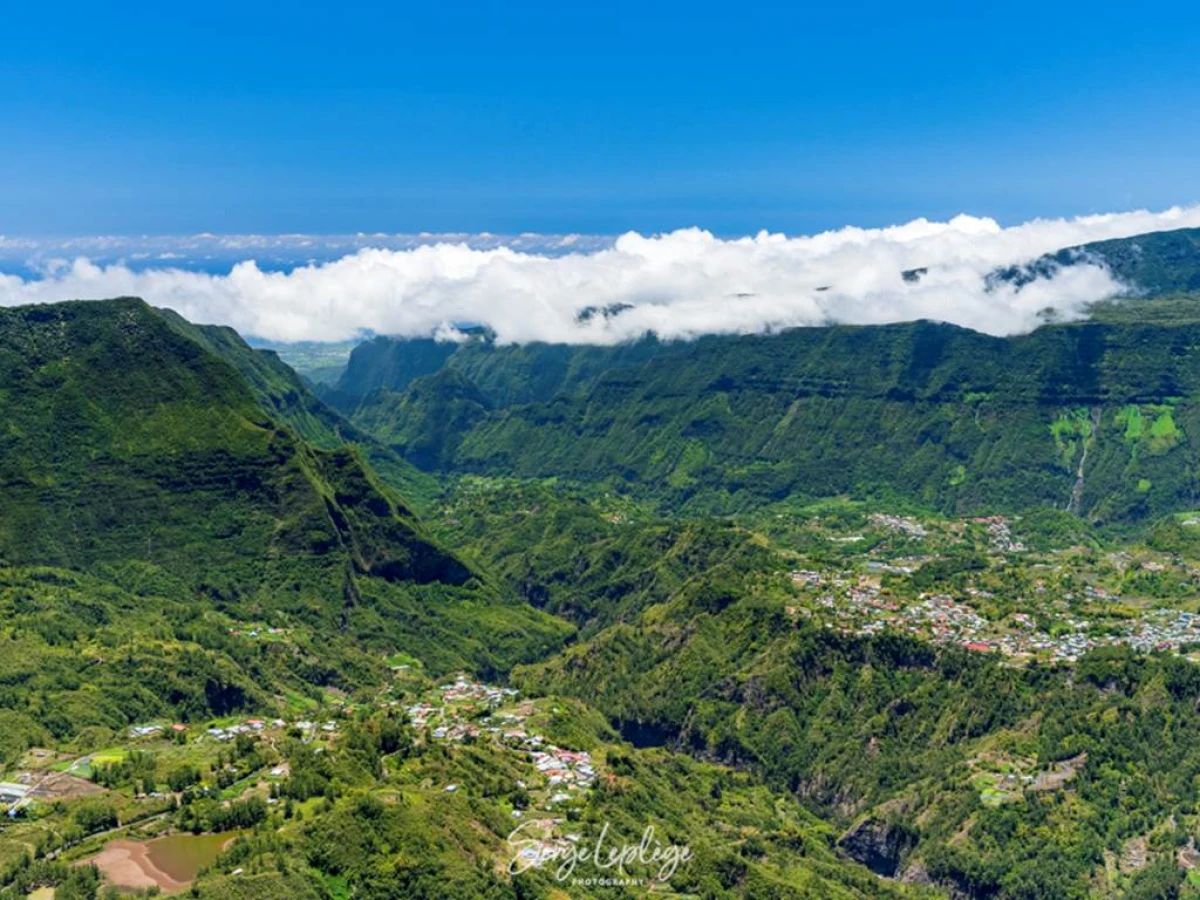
(181, 856)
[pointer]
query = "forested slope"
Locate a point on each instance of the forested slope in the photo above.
(132, 453)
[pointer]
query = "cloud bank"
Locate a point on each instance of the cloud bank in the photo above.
(587, 290)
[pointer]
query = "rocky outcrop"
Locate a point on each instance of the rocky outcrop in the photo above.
(878, 844)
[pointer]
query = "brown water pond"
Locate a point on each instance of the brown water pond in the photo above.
(181, 856)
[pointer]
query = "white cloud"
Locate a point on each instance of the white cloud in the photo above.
(681, 284)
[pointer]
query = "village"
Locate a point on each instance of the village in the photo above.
(1055, 624)
(466, 710)
(454, 712)
(858, 606)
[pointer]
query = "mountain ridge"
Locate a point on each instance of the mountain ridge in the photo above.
(725, 422)
(128, 444)
(722, 422)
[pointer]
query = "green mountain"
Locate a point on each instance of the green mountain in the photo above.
(733, 590)
(927, 413)
(1091, 417)
(988, 775)
(287, 398)
(173, 549)
(125, 440)
(1157, 264)
(508, 375)
(900, 744)
(133, 453)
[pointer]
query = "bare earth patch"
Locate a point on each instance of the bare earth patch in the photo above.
(126, 864)
(64, 786)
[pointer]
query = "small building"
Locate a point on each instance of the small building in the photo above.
(11, 792)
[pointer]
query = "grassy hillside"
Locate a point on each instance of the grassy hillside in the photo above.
(1164, 262)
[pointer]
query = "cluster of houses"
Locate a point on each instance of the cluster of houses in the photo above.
(250, 726)
(862, 608)
(456, 732)
(152, 730)
(308, 730)
(943, 620)
(1159, 629)
(806, 578)
(1163, 629)
(903, 524)
(538, 846)
(459, 696)
(904, 566)
(1028, 641)
(565, 773)
(855, 603)
(463, 689)
(1000, 533)
(857, 599)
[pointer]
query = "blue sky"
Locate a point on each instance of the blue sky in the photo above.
(594, 118)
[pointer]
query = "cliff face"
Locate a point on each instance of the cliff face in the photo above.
(1094, 417)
